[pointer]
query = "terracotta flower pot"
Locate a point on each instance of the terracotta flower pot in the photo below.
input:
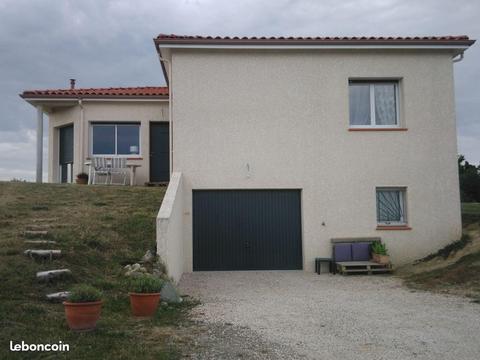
(381, 259)
(82, 181)
(144, 305)
(82, 316)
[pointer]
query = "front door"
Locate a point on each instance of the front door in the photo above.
(66, 153)
(159, 152)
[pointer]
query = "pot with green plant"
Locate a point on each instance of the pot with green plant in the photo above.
(83, 307)
(379, 253)
(145, 294)
(82, 178)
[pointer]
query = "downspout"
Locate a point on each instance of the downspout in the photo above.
(456, 59)
(170, 109)
(82, 135)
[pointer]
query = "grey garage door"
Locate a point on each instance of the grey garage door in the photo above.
(246, 230)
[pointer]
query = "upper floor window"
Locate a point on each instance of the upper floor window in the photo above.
(115, 139)
(373, 103)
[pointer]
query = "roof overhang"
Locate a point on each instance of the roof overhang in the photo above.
(454, 44)
(163, 54)
(66, 101)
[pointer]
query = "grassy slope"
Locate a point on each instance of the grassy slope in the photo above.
(99, 229)
(456, 268)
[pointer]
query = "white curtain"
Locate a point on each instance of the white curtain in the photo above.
(385, 107)
(359, 95)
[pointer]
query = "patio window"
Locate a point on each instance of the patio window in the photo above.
(373, 104)
(115, 139)
(391, 206)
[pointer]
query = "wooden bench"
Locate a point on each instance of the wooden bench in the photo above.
(362, 267)
(345, 263)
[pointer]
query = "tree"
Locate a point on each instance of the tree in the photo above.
(469, 180)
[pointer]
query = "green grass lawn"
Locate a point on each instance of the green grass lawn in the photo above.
(99, 229)
(471, 208)
(470, 213)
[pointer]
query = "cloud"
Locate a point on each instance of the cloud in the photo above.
(109, 43)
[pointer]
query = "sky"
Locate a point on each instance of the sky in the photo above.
(109, 43)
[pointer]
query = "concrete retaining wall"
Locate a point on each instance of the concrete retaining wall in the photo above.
(170, 228)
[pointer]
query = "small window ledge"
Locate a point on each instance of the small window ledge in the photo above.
(377, 129)
(393, 227)
(109, 157)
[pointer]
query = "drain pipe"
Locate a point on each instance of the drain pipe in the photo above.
(457, 58)
(170, 110)
(82, 135)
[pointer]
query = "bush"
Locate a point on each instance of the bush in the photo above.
(379, 248)
(84, 293)
(82, 176)
(146, 284)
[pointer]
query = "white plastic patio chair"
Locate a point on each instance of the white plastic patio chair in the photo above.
(99, 167)
(119, 167)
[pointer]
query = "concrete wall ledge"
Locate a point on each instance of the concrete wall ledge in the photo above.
(170, 228)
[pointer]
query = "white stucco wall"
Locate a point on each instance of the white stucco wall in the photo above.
(143, 112)
(286, 115)
(170, 226)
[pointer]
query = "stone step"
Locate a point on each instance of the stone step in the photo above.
(43, 253)
(58, 296)
(35, 233)
(44, 220)
(52, 274)
(39, 242)
(38, 227)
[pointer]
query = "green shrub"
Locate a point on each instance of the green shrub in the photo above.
(146, 284)
(84, 293)
(379, 248)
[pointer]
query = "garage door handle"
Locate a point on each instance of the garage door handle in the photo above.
(247, 244)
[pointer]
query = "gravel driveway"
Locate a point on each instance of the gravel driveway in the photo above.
(293, 314)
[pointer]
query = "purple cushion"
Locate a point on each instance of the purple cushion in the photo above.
(343, 252)
(360, 251)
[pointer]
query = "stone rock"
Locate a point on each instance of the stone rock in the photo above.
(148, 257)
(43, 253)
(35, 233)
(134, 270)
(169, 294)
(58, 296)
(157, 273)
(52, 274)
(39, 242)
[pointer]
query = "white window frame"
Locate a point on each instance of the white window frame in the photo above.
(116, 124)
(403, 205)
(373, 120)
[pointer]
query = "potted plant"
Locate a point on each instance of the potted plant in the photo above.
(379, 253)
(145, 294)
(82, 308)
(82, 178)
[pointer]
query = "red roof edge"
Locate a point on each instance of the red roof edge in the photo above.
(461, 40)
(144, 92)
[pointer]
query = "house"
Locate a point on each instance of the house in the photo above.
(103, 122)
(280, 144)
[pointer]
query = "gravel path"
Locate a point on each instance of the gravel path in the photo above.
(293, 314)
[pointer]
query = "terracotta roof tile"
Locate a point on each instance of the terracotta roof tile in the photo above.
(123, 92)
(324, 40)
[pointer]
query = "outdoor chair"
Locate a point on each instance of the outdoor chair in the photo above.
(351, 250)
(119, 167)
(99, 168)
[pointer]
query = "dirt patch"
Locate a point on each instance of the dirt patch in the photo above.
(454, 269)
